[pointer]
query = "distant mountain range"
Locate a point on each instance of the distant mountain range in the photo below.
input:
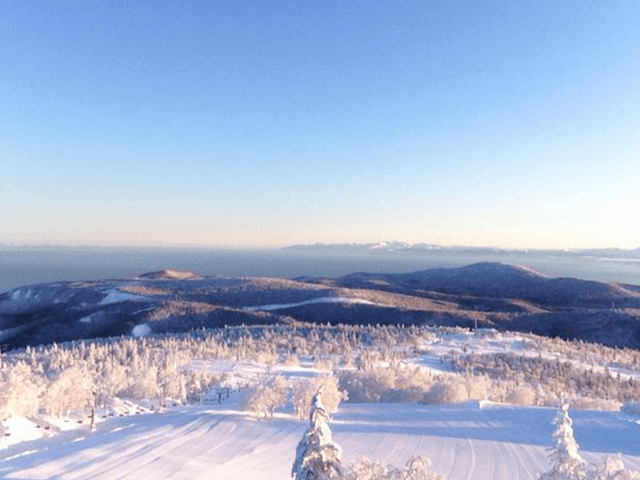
(402, 246)
(489, 294)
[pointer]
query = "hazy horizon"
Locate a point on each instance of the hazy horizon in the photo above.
(21, 266)
(273, 248)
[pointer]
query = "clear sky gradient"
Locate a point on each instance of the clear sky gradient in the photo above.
(268, 123)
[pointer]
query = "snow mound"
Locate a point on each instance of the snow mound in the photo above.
(86, 319)
(141, 330)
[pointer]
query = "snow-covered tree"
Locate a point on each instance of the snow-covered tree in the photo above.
(19, 391)
(170, 381)
(566, 462)
(264, 398)
(367, 469)
(612, 469)
(330, 391)
(198, 382)
(317, 456)
(69, 391)
(419, 468)
(416, 468)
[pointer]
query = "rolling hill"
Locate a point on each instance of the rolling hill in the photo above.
(495, 295)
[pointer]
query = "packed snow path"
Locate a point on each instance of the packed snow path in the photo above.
(464, 442)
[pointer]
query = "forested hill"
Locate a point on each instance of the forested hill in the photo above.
(498, 280)
(495, 295)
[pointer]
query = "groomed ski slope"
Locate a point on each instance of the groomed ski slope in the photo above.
(465, 441)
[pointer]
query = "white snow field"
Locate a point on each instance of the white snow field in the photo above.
(465, 441)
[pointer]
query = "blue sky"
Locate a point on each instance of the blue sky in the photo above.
(261, 124)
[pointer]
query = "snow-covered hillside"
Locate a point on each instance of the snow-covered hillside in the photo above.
(489, 295)
(222, 442)
(220, 435)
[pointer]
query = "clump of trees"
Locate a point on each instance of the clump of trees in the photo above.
(396, 382)
(266, 396)
(587, 352)
(547, 379)
(62, 378)
(416, 468)
(328, 389)
(400, 382)
(368, 362)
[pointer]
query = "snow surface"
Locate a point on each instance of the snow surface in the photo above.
(141, 330)
(22, 294)
(469, 441)
(280, 306)
(464, 441)
(87, 319)
(116, 296)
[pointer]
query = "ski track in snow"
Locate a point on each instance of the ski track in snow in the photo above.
(464, 442)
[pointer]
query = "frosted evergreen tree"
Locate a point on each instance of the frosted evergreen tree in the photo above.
(317, 456)
(566, 462)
